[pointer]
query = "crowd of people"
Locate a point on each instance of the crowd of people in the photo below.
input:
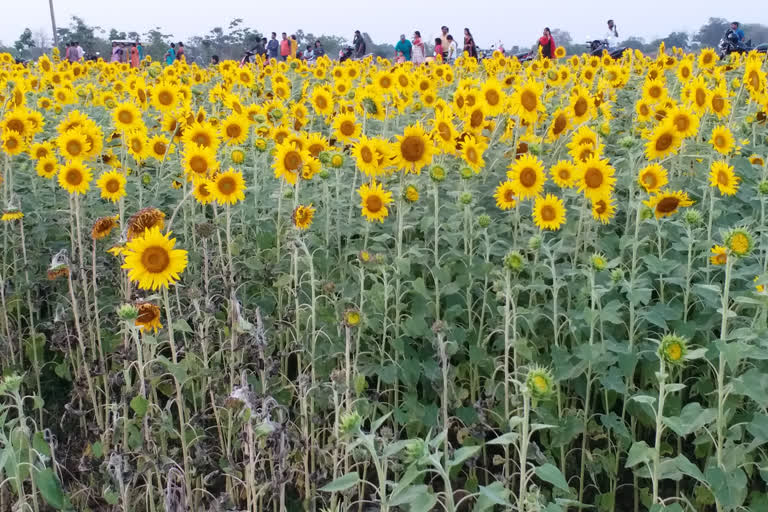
(445, 48)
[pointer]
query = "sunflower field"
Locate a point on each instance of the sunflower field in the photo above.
(362, 286)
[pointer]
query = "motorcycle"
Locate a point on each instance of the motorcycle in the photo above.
(730, 44)
(597, 47)
(346, 53)
(524, 56)
(246, 58)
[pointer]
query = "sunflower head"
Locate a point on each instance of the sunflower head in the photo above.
(514, 261)
(152, 261)
(147, 317)
(540, 383)
(672, 349)
(302, 216)
(146, 218)
(103, 227)
(351, 317)
(740, 242)
(411, 193)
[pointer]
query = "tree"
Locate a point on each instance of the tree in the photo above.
(675, 39)
(636, 43)
(710, 33)
(562, 37)
(25, 40)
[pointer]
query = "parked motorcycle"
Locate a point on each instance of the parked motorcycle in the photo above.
(346, 53)
(597, 47)
(730, 44)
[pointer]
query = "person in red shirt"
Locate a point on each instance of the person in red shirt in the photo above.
(438, 49)
(547, 44)
(285, 47)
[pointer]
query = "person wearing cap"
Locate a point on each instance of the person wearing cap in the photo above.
(404, 46)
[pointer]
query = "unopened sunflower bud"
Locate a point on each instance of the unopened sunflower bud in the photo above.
(598, 262)
(352, 317)
(127, 313)
(467, 173)
(484, 221)
(540, 383)
(692, 217)
(617, 275)
(288, 193)
(673, 349)
(349, 423)
(740, 242)
(465, 198)
(646, 213)
(534, 148)
(437, 173)
(763, 188)
(627, 141)
(534, 243)
(337, 160)
(324, 174)
(514, 261)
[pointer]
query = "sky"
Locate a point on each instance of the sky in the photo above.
(509, 21)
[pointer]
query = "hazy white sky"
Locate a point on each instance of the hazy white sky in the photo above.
(509, 21)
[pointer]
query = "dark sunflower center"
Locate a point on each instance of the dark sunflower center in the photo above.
(234, 131)
(492, 97)
(227, 186)
(412, 148)
(347, 128)
(593, 177)
(366, 154)
(112, 186)
(155, 259)
(664, 142)
(165, 98)
(529, 101)
(722, 178)
(580, 107)
(667, 205)
(125, 117)
(374, 203)
(292, 160)
(548, 213)
(160, 148)
(74, 177)
(559, 125)
(528, 177)
(198, 164)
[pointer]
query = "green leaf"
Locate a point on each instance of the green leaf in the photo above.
(463, 454)
(613, 422)
(50, 488)
(97, 450)
(139, 405)
(639, 453)
(342, 483)
(758, 427)
(551, 474)
(491, 495)
(679, 467)
(505, 439)
(729, 487)
(692, 418)
(40, 445)
(752, 384)
(181, 325)
(379, 422)
(425, 502)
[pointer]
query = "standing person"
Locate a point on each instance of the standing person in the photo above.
(359, 44)
(273, 47)
(115, 57)
(294, 46)
(214, 60)
(444, 42)
(469, 43)
(134, 56)
(69, 49)
(123, 53)
(180, 55)
(612, 35)
(141, 50)
(405, 47)
(319, 50)
(285, 47)
(547, 44)
(170, 55)
(418, 54)
(453, 49)
(439, 50)
(80, 51)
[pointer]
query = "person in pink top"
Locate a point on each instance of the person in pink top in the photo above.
(419, 54)
(438, 49)
(134, 56)
(285, 47)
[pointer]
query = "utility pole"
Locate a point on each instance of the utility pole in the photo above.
(53, 24)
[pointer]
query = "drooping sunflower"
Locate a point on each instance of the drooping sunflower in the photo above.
(549, 212)
(126, 116)
(721, 175)
(234, 129)
(112, 185)
(11, 215)
(199, 162)
(152, 262)
(202, 191)
(472, 151)
(229, 187)
(289, 161)
(604, 209)
(413, 149)
(719, 255)
(505, 195)
(103, 227)
(346, 128)
(722, 140)
(526, 102)
(652, 178)
(667, 202)
(302, 216)
(527, 175)
(75, 177)
(144, 219)
(47, 167)
(757, 160)
(373, 201)
(664, 140)
(595, 178)
(148, 318)
(563, 173)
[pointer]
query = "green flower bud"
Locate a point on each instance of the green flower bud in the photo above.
(740, 242)
(465, 198)
(646, 214)
(484, 221)
(324, 174)
(349, 423)
(146, 178)
(627, 141)
(127, 313)
(598, 262)
(763, 188)
(415, 449)
(534, 149)
(673, 349)
(540, 383)
(288, 194)
(617, 275)
(467, 173)
(692, 217)
(437, 173)
(534, 243)
(514, 261)
(337, 160)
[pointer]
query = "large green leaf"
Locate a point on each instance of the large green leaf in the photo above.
(342, 483)
(50, 488)
(692, 418)
(490, 496)
(551, 474)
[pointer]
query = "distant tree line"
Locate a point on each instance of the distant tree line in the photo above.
(230, 43)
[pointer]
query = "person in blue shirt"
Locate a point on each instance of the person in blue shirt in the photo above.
(737, 31)
(404, 46)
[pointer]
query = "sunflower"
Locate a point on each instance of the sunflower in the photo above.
(595, 178)
(322, 101)
(75, 177)
(159, 146)
(673, 349)
(549, 212)
(234, 129)
(373, 201)
(41, 150)
(643, 110)
(527, 175)
(722, 140)
(365, 153)
(739, 241)
(721, 175)
(289, 161)
(664, 140)
(126, 116)
(493, 96)
(47, 167)
(581, 107)
(413, 149)
(697, 94)
(411, 194)
(151, 260)
(103, 227)
(444, 132)
(148, 318)
(757, 160)
(229, 187)
(719, 103)
(474, 118)
(526, 103)
(563, 173)
(146, 218)
(202, 191)
(707, 58)
(472, 153)
(11, 215)
(604, 209)
(559, 125)
(685, 121)
(17, 120)
(12, 143)
(346, 128)
(202, 134)
(652, 178)
(138, 147)
(302, 216)
(505, 195)
(719, 255)
(165, 97)
(685, 70)
(112, 185)
(199, 162)
(667, 202)
(655, 91)
(316, 144)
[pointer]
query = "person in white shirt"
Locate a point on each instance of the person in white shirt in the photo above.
(612, 35)
(453, 49)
